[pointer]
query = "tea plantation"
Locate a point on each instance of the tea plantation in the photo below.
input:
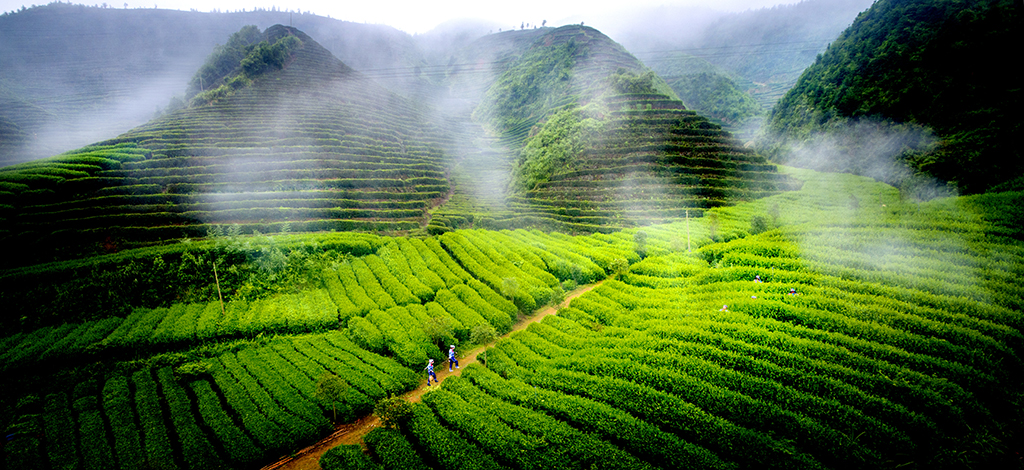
(232, 282)
(315, 147)
(884, 333)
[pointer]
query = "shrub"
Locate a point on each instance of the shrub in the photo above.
(393, 412)
(348, 457)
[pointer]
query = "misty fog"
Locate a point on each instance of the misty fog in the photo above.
(136, 61)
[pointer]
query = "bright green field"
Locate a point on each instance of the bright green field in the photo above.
(900, 348)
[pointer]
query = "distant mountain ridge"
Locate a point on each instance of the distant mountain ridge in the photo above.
(108, 70)
(312, 146)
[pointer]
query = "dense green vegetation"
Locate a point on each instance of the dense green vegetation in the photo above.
(555, 148)
(632, 159)
(568, 65)
(244, 58)
(225, 59)
(708, 89)
(715, 96)
(202, 292)
(900, 347)
(621, 151)
(938, 64)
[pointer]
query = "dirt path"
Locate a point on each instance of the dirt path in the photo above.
(352, 433)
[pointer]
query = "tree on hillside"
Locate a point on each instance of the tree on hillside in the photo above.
(440, 331)
(332, 389)
(619, 266)
(640, 243)
(628, 81)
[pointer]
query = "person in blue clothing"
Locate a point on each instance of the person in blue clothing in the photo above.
(451, 358)
(430, 373)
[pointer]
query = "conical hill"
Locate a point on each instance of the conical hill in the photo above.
(595, 141)
(654, 161)
(312, 145)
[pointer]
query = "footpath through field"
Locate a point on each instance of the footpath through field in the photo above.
(352, 433)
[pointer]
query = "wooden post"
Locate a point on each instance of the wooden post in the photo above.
(217, 280)
(687, 230)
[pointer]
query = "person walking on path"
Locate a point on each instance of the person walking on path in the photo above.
(451, 358)
(430, 373)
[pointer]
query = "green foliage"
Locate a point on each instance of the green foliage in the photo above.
(619, 266)
(523, 93)
(901, 344)
(192, 370)
(249, 268)
(628, 81)
(225, 59)
(393, 412)
(441, 331)
(716, 96)
(931, 63)
(759, 224)
(482, 334)
(266, 56)
(347, 457)
(234, 66)
(366, 334)
(640, 243)
(393, 449)
(509, 287)
(555, 148)
(331, 389)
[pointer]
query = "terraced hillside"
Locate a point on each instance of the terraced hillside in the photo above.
(655, 162)
(565, 66)
(314, 146)
(110, 69)
(884, 334)
(643, 158)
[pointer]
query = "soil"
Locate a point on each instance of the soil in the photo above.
(352, 433)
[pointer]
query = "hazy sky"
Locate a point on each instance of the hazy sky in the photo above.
(423, 15)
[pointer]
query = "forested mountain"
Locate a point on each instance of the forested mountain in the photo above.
(932, 63)
(735, 67)
(775, 44)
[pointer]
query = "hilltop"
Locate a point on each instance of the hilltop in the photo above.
(110, 69)
(586, 138)
(904, 66)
